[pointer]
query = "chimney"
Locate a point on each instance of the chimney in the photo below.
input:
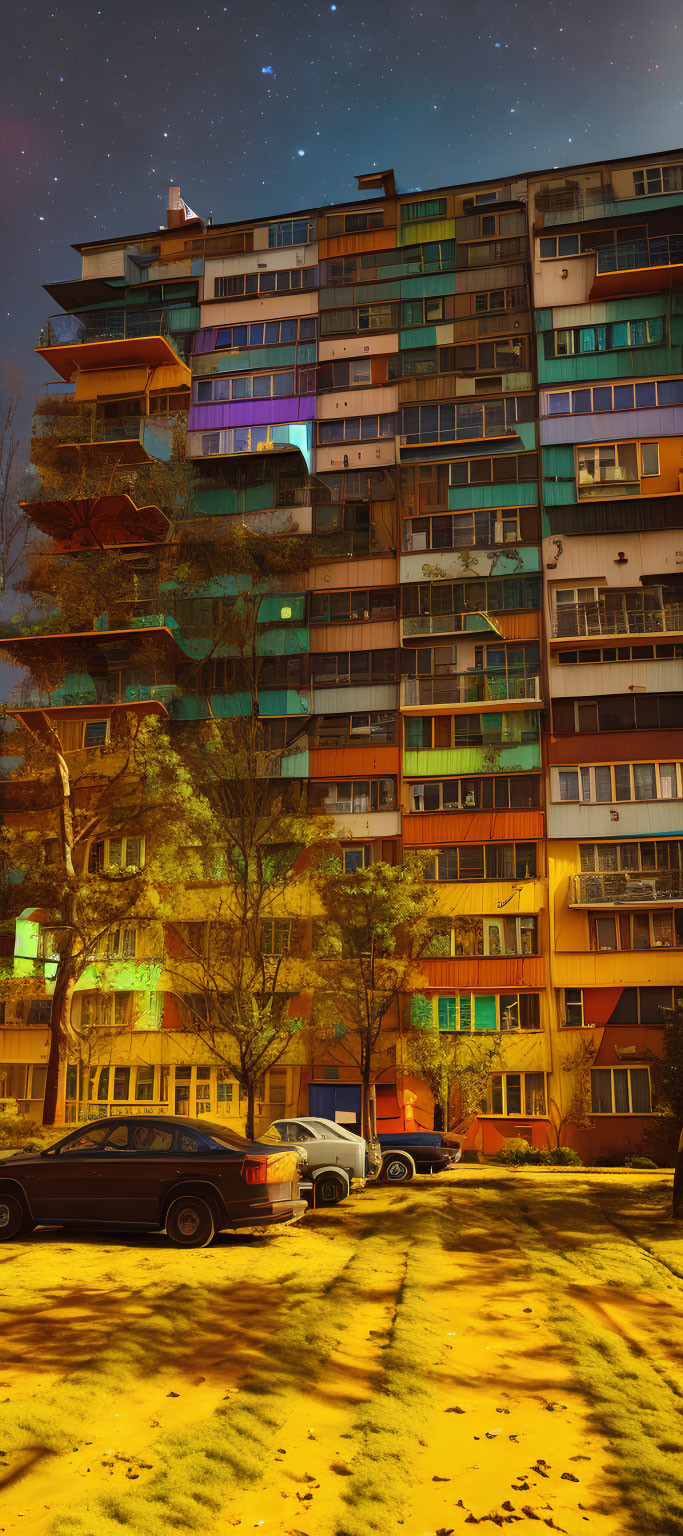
(176, 210)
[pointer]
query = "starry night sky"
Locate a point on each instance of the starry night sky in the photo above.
(262, 108)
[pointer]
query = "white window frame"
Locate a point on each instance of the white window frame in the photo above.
(517, 1114)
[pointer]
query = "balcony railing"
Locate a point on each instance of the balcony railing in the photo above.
(627, 256)
(26, 696)
(104, 325)
(595, 619)
(447, 624)
(469, 688)
(625, 888)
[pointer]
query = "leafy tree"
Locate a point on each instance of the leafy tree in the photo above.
(65, 804)
(575, 1076)
(376, 926)
(238, 999)
(450, 1064)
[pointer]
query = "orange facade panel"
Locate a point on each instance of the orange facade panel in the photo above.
(431, 831)
(488, 973)
(614, 747)
(342, 575)
(353, 762)
(380, 635)
(519, 626)
(352, 245)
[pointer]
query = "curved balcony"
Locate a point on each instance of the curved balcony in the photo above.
(626, 888)
(97, 522)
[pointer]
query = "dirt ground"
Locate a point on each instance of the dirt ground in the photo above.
(482, 1347)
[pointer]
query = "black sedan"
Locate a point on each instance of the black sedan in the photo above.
(191, 1178)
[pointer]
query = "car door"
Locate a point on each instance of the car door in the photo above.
(133, 1169)
(63, 1184)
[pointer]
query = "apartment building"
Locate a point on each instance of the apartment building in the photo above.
(471, 405)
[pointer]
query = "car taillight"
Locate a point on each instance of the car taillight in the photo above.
(255, 1170)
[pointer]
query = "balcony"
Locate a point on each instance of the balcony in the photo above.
(467, 688)
(593, 620)
(98, 522)
(84, 693)
(110, 338)
(447, 624)
(626, 888)
(66, 425)
(635, 266)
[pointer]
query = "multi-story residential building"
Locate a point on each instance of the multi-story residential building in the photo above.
(471, 403)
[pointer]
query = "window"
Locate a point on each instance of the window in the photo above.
(550, 246)
(432, 208)
(350, 730)
(86, 1141)
(508, 468)
(144, 1084)
(604, 338)
(252, 283)
(277, 1085)
(623, 781)
(360, 797)
(259, 386)
(490, 861)
(467, 1012)
(353, 859)
(121, 943)
(609, 466)
(573, 1006)
(357, 428)
(620, 1091)
(523, 792)
(652, 180)
(618, 712)
(116, 854)
(455, 423)
(95, 733)
(290, 232)
(269, 333)
(646, 857)
(615, 397)
(638, 931)
(276, 936)
(516, 1093)
(649, 459)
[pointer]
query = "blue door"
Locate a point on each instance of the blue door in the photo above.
(329, 1099)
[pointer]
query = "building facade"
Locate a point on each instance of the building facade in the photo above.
(470, 405)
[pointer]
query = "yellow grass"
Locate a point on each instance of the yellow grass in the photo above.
(483, 1347)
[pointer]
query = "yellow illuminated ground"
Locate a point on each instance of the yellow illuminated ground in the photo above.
(491, 1348)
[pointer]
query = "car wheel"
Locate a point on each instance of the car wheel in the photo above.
(397, 1169)
(330, 1188)
(13, 1218)
(189, 1222)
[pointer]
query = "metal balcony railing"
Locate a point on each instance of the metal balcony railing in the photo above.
(625, 888)
(596, 619)
(92, 691)
(627, 256)
(104, 325)
(469, 688)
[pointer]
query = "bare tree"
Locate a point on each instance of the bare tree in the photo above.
(14, 524)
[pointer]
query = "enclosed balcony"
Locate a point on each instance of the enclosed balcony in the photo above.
(73, 344)
(448, 624)
(625, 888)
(614, 615)
(466, 688)
(64, 425)
(638, 266)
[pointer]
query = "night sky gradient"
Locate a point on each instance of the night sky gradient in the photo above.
(264, 108)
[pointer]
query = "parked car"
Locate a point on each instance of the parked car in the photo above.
(405, 1153)
(191, 1178)
(338, 1159)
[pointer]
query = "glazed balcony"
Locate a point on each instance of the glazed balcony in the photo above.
(110, 338)
(447, 624)
(638, 265)
(593, 620)
(499, 690)
(73, 427)
(626, 888)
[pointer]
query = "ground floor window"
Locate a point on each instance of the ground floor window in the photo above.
(620, 1091)
(516, 1093)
